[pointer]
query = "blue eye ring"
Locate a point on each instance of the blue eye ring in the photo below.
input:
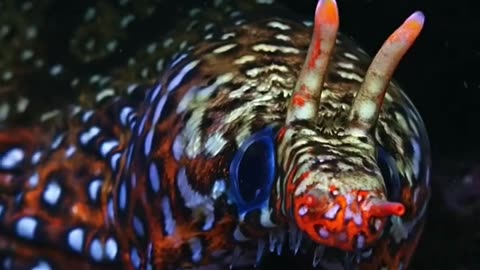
(267, 138)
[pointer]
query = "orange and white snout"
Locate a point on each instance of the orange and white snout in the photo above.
(348, 221)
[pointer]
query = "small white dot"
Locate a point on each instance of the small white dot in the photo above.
(111, 248)
(127, 20)
(75, 239)
(108, 147)
(89, 135)
(33, 180)
(26, 227)
(31, 32)
(93, 189)
(42, 266)
(96, 250)
(11, 158)
(89, 14)
(55, 70)
(112, 45)
(52, 193)
(135, 258)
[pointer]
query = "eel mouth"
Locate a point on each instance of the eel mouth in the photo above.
(292, 241)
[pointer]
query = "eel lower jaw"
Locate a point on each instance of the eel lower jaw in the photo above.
(300, 243)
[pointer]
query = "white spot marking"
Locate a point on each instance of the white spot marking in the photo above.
(282, 37)
(148, 142)
(346, 65)
(70, 151)
(122, 196)
(89, 14)
(33, 180)
(56, 70)
(36, 157)
(87, 115)
(208, 36)
(351, 56)
(31, 32)
(104, 94)
(93, 189)
(224, 48)
(125, 115)
(332, 212)
(108, 146)
(196, 247)
(350, 75)
(218, 189)
(177, 147)
(22, 104)
(57, 141)
(193, 12)
(152, 47)
(278, 25)
(52, 193)
(49, 115)
(42, 265)
(253, 72)
(11, 158)
(274, 48)
(167, 42)
(268, 2)
(111, 248)
(75, 239)
(96, 250)
(26, 227)
(168, 218)
(7, 75)
(135, 259)
(26, 55)
(227, 36)
(138, 225)
(114, 160)
(4, 110)
(112, 45)
(208, 26)
(127, 20)
(308, 23)
(154, 178)
(110, 210)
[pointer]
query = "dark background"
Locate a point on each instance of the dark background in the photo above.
(441, 74)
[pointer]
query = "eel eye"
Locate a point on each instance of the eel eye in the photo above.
(252, 171)
(389, 171)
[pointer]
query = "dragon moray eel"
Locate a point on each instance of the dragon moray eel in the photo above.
(245, 130)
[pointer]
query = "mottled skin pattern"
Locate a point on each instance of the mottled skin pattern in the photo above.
(131, 168)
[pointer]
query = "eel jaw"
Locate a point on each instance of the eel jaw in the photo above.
(350, 222)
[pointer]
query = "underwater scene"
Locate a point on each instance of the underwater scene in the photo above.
(239, 134)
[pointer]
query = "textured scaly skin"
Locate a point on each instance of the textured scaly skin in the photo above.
(141, 178)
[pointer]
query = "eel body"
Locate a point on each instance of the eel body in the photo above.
(245, 131)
